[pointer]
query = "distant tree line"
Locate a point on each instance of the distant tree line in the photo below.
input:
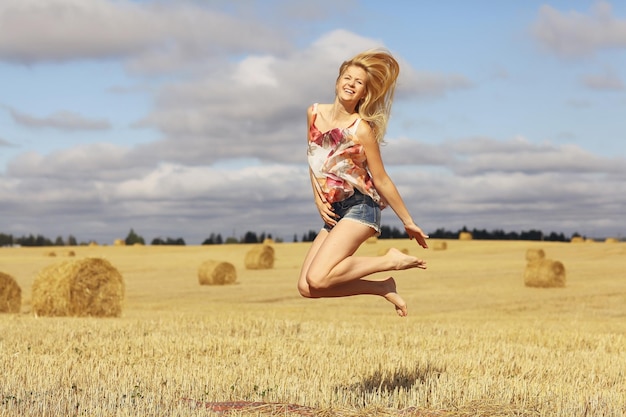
(387, 232)
(39, 240)
(499, 234)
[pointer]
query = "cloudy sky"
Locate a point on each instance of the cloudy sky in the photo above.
(185, 118)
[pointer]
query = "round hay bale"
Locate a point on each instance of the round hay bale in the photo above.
(384, 251)
(260, 257)
(577, 239)
(71, 253)
(611, 240)
(372, 239)
(268, 241)
(85, 287)
(10, 294)
(119, 242)
(51, 254)
(533, 255)
(544, 273)
(440, 245)
(216, 273)
(465, 236)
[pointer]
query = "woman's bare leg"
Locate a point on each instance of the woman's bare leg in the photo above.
(346, 271)
(333, 262)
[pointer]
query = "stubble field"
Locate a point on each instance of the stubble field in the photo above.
(477, 342)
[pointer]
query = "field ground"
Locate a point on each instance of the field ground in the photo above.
(477, 342)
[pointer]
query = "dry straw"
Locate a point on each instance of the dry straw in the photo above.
(10, 294)
(85, 287)
(384, 251)
(216, 273)
(611, 240)
(440, 245)
(465, 236)
(260, 257)
(544, 273)
(533, 255)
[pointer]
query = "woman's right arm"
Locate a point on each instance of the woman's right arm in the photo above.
(323, 206)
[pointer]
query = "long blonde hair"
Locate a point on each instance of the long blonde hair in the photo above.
(382, 73)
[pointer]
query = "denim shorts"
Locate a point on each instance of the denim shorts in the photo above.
(359, 207)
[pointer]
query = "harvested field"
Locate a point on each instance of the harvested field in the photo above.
(477, 341)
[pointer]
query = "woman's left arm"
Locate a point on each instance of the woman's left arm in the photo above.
(385, 186)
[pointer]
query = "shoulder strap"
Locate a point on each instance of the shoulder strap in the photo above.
(355, 126)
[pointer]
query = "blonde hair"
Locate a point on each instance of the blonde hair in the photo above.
(382, 72)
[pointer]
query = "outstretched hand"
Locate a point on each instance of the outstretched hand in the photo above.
(415, 232)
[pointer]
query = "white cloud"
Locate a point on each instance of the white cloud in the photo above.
(92, 162)
(33, 31)
(574, 34)
(609, 80)
(62, 120)
(6, 143)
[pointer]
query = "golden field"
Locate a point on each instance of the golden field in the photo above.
(477, 342)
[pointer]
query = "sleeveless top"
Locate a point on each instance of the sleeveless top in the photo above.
(338, 163)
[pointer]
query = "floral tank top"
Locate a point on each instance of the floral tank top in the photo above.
(338, 163)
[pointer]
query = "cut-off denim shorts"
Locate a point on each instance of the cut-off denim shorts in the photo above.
(359, 207)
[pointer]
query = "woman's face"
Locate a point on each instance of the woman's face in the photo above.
(351, 85)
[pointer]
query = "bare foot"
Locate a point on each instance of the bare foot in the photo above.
(392, 296)
(404, 261)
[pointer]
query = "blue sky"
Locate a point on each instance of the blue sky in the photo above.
(186, 118)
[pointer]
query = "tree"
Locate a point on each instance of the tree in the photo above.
(213, 239)
(310, 237)
(133, 238)
(250, 237)
(6, 240)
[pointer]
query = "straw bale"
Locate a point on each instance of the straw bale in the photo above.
(372, 239)
(611, 240)
(216, 273)
(465, 236)
(384, 251)
(51, 254)
(119, 242)
(85, 287)
(71, 253)
(260, 257)
(545, 273)
(10, 294)
(268, 241)
(440, 245)
(533, 255)
(577, 239)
